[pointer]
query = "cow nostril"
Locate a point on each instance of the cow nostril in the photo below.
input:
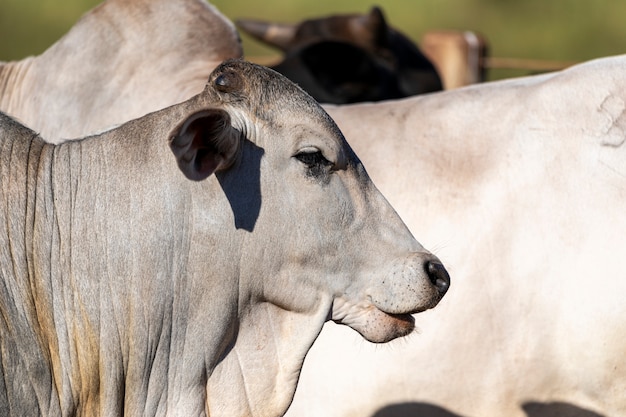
(438, 276)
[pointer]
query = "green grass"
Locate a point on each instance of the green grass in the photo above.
(539, 29)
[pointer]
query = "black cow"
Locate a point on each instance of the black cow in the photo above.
(348, 58)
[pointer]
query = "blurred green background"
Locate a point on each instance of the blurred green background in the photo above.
(561, 30)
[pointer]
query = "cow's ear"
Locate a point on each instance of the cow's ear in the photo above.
(377, 25)
(205, 143)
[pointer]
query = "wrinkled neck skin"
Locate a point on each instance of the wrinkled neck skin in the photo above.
(259, 375)
(74, 338)
(130, 58)
(86, 252)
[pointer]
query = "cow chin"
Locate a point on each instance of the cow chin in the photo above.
(385, 327)
(372, 323)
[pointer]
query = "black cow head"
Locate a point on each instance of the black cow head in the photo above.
(348, 58)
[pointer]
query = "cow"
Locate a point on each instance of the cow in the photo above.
(183, 263)
(348, 58)
(512, 182)
(121, 60)
(519, 185)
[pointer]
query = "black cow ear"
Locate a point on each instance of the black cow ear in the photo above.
(205, 143)
(377, 25)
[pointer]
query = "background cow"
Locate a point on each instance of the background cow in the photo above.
(129, 289)
(520, 185)
(122, 60)
(348, 58)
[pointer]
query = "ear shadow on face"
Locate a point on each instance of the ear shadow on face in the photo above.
(242, 186)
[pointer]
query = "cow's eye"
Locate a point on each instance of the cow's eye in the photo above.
(312, 158)
(315, 162)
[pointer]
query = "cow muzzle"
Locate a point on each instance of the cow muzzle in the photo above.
(414, 284)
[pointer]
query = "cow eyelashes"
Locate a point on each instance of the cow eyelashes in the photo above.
(312, 158)
(316, 163)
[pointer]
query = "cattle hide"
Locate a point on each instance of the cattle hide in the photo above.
(121, 60)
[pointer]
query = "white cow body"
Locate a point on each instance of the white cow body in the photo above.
(520, 186)
(121, 60)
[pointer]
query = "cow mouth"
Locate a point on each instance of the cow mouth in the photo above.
(374, 324)
(405, 318)
(404, 322)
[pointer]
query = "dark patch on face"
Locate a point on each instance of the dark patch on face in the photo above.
(317, 166)
(242, 186)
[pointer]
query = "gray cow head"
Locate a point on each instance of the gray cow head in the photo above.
(266, 139)
(316, 238)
